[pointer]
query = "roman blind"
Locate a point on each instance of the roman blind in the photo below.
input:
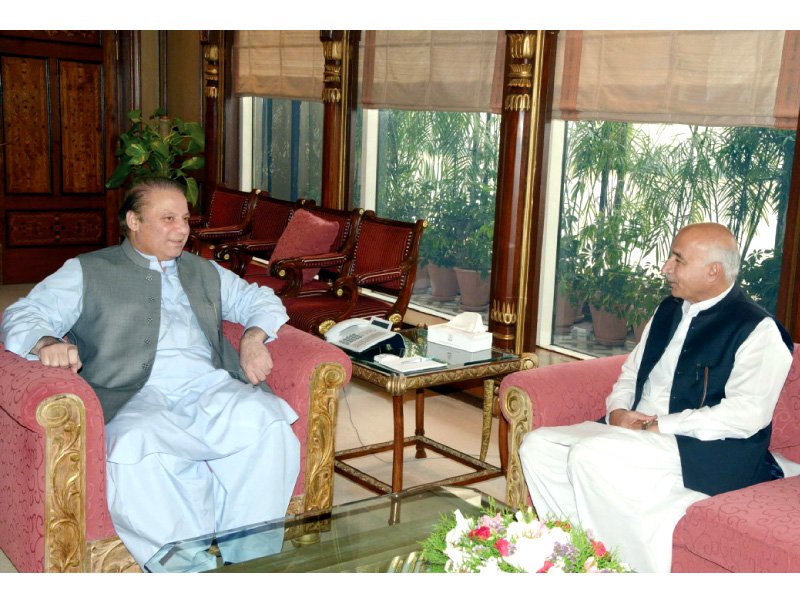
(720, 78)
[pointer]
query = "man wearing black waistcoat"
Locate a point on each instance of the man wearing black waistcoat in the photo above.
(690, 415)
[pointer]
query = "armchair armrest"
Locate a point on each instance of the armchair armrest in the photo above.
(308, 373)
(562, 394)
(52, 438)
(291, 270)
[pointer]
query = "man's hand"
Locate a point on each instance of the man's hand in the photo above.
(253, 355)
(630, 419)
(53, 352)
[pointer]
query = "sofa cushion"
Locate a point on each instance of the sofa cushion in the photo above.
(785, 424)
(305, 235)
(755, 529)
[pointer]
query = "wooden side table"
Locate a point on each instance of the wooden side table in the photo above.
(490, 371)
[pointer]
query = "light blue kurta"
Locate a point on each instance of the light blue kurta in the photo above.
(183, 452)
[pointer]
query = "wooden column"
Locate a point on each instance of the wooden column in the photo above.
(787, 310)
(211, 122)
(340, 49)
(520, 208)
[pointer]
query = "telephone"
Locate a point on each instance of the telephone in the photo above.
(362, 335)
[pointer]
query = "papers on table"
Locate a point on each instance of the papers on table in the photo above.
(411, 364)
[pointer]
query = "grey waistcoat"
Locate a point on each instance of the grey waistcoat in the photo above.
(117, 331)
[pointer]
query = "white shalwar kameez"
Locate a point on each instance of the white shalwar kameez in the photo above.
(194, 451)
(626, 486)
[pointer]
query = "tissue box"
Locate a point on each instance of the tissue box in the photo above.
(457, 338)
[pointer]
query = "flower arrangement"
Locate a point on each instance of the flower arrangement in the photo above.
(515, 542)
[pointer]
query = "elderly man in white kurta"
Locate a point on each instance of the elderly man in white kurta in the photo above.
(690, 414)
(191, 448)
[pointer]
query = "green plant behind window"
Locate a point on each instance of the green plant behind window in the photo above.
(159, 147)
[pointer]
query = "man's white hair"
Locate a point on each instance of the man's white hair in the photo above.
(729, 259)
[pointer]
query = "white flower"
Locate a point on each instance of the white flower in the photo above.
(491, 566)
(462, 528)
(533, 545)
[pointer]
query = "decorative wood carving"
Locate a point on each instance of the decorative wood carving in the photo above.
(29, 228)
(82, 152)
(62, 418)
(325, 385)
(211, 70)
(111, 556)
(517, 407)
(26, 126)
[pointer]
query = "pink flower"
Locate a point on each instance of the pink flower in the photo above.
(599, 549)
(481, 532)
(546, 567)
(590, 566)
(502, 546)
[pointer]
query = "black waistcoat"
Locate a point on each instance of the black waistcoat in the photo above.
(703, 368)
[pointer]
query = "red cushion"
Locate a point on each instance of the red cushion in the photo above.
(305, 235)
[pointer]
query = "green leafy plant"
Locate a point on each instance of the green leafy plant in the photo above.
(159, 147)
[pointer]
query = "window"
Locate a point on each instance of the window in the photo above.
(286, 146)
(440, 166)
(624, 191)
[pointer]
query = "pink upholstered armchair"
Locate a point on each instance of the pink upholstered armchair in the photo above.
(755, 529)
(53, 511)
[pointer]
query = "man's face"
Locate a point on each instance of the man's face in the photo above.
(162, 227)
(686, 270)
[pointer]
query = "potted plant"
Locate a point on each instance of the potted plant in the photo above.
(650, 288)
(439, 250)
(604, 276)
(159, 147)
(473, 263)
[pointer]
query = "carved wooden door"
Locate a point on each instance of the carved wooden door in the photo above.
(57, 110)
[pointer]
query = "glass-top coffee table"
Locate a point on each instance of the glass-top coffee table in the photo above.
(488, 366)
(376, 535)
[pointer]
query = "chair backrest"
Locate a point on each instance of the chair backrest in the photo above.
(345, 239)
(384, 244)
(228, 207)
(786, 418)
(271, 215)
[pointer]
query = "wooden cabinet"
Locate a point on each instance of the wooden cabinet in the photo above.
(57, 136)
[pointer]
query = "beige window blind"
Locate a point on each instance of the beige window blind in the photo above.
(278, 64)
(722, 78)
(433, 70)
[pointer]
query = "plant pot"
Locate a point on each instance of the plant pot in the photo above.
(474, 289)
(444, 285)
(422, 283)
(566, 314)
(609, 329)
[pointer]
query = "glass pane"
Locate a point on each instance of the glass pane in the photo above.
(627, 188)
(439, 166)
(287, 148)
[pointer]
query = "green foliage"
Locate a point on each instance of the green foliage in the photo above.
(442, 166)
(759, 276)
(628, 193)
(159, 148)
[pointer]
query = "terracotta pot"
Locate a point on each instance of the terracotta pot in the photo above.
(474, 289)
(638, 330)
(566, 314)
(422, 282)
(609, 330)
(444, 285)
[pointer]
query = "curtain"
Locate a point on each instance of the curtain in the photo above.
(278, 64)
(433, 70)
(720, 78)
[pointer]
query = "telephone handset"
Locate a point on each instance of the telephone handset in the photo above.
(359, 335)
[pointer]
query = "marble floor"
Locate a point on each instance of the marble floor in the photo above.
(365, 417)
